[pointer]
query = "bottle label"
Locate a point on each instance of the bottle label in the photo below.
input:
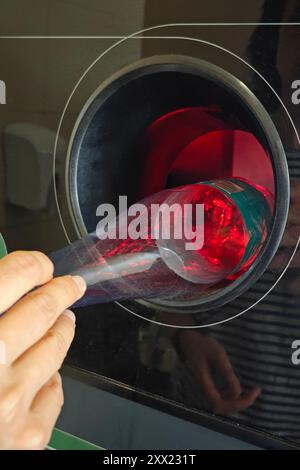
(254, 209)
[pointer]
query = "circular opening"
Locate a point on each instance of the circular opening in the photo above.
(171, 121)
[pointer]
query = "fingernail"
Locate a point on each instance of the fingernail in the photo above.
(70, 315)
(80, 283)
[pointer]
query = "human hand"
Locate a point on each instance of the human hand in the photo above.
(206, 356)
(35, 335)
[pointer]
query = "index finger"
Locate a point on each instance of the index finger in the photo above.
(222, 362)
(20, 272)
(206, 382)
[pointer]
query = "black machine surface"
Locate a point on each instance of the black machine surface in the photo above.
(84, 81)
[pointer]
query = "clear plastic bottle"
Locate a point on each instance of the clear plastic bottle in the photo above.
(234, 221)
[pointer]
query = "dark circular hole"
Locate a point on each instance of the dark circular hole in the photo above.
(109, 155)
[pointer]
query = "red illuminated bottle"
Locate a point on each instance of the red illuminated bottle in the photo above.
(198, 234)
(236, 220)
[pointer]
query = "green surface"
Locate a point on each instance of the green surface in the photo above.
(62, 440)
(3, 250)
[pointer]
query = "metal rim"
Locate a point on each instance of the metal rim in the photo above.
(240, 91)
